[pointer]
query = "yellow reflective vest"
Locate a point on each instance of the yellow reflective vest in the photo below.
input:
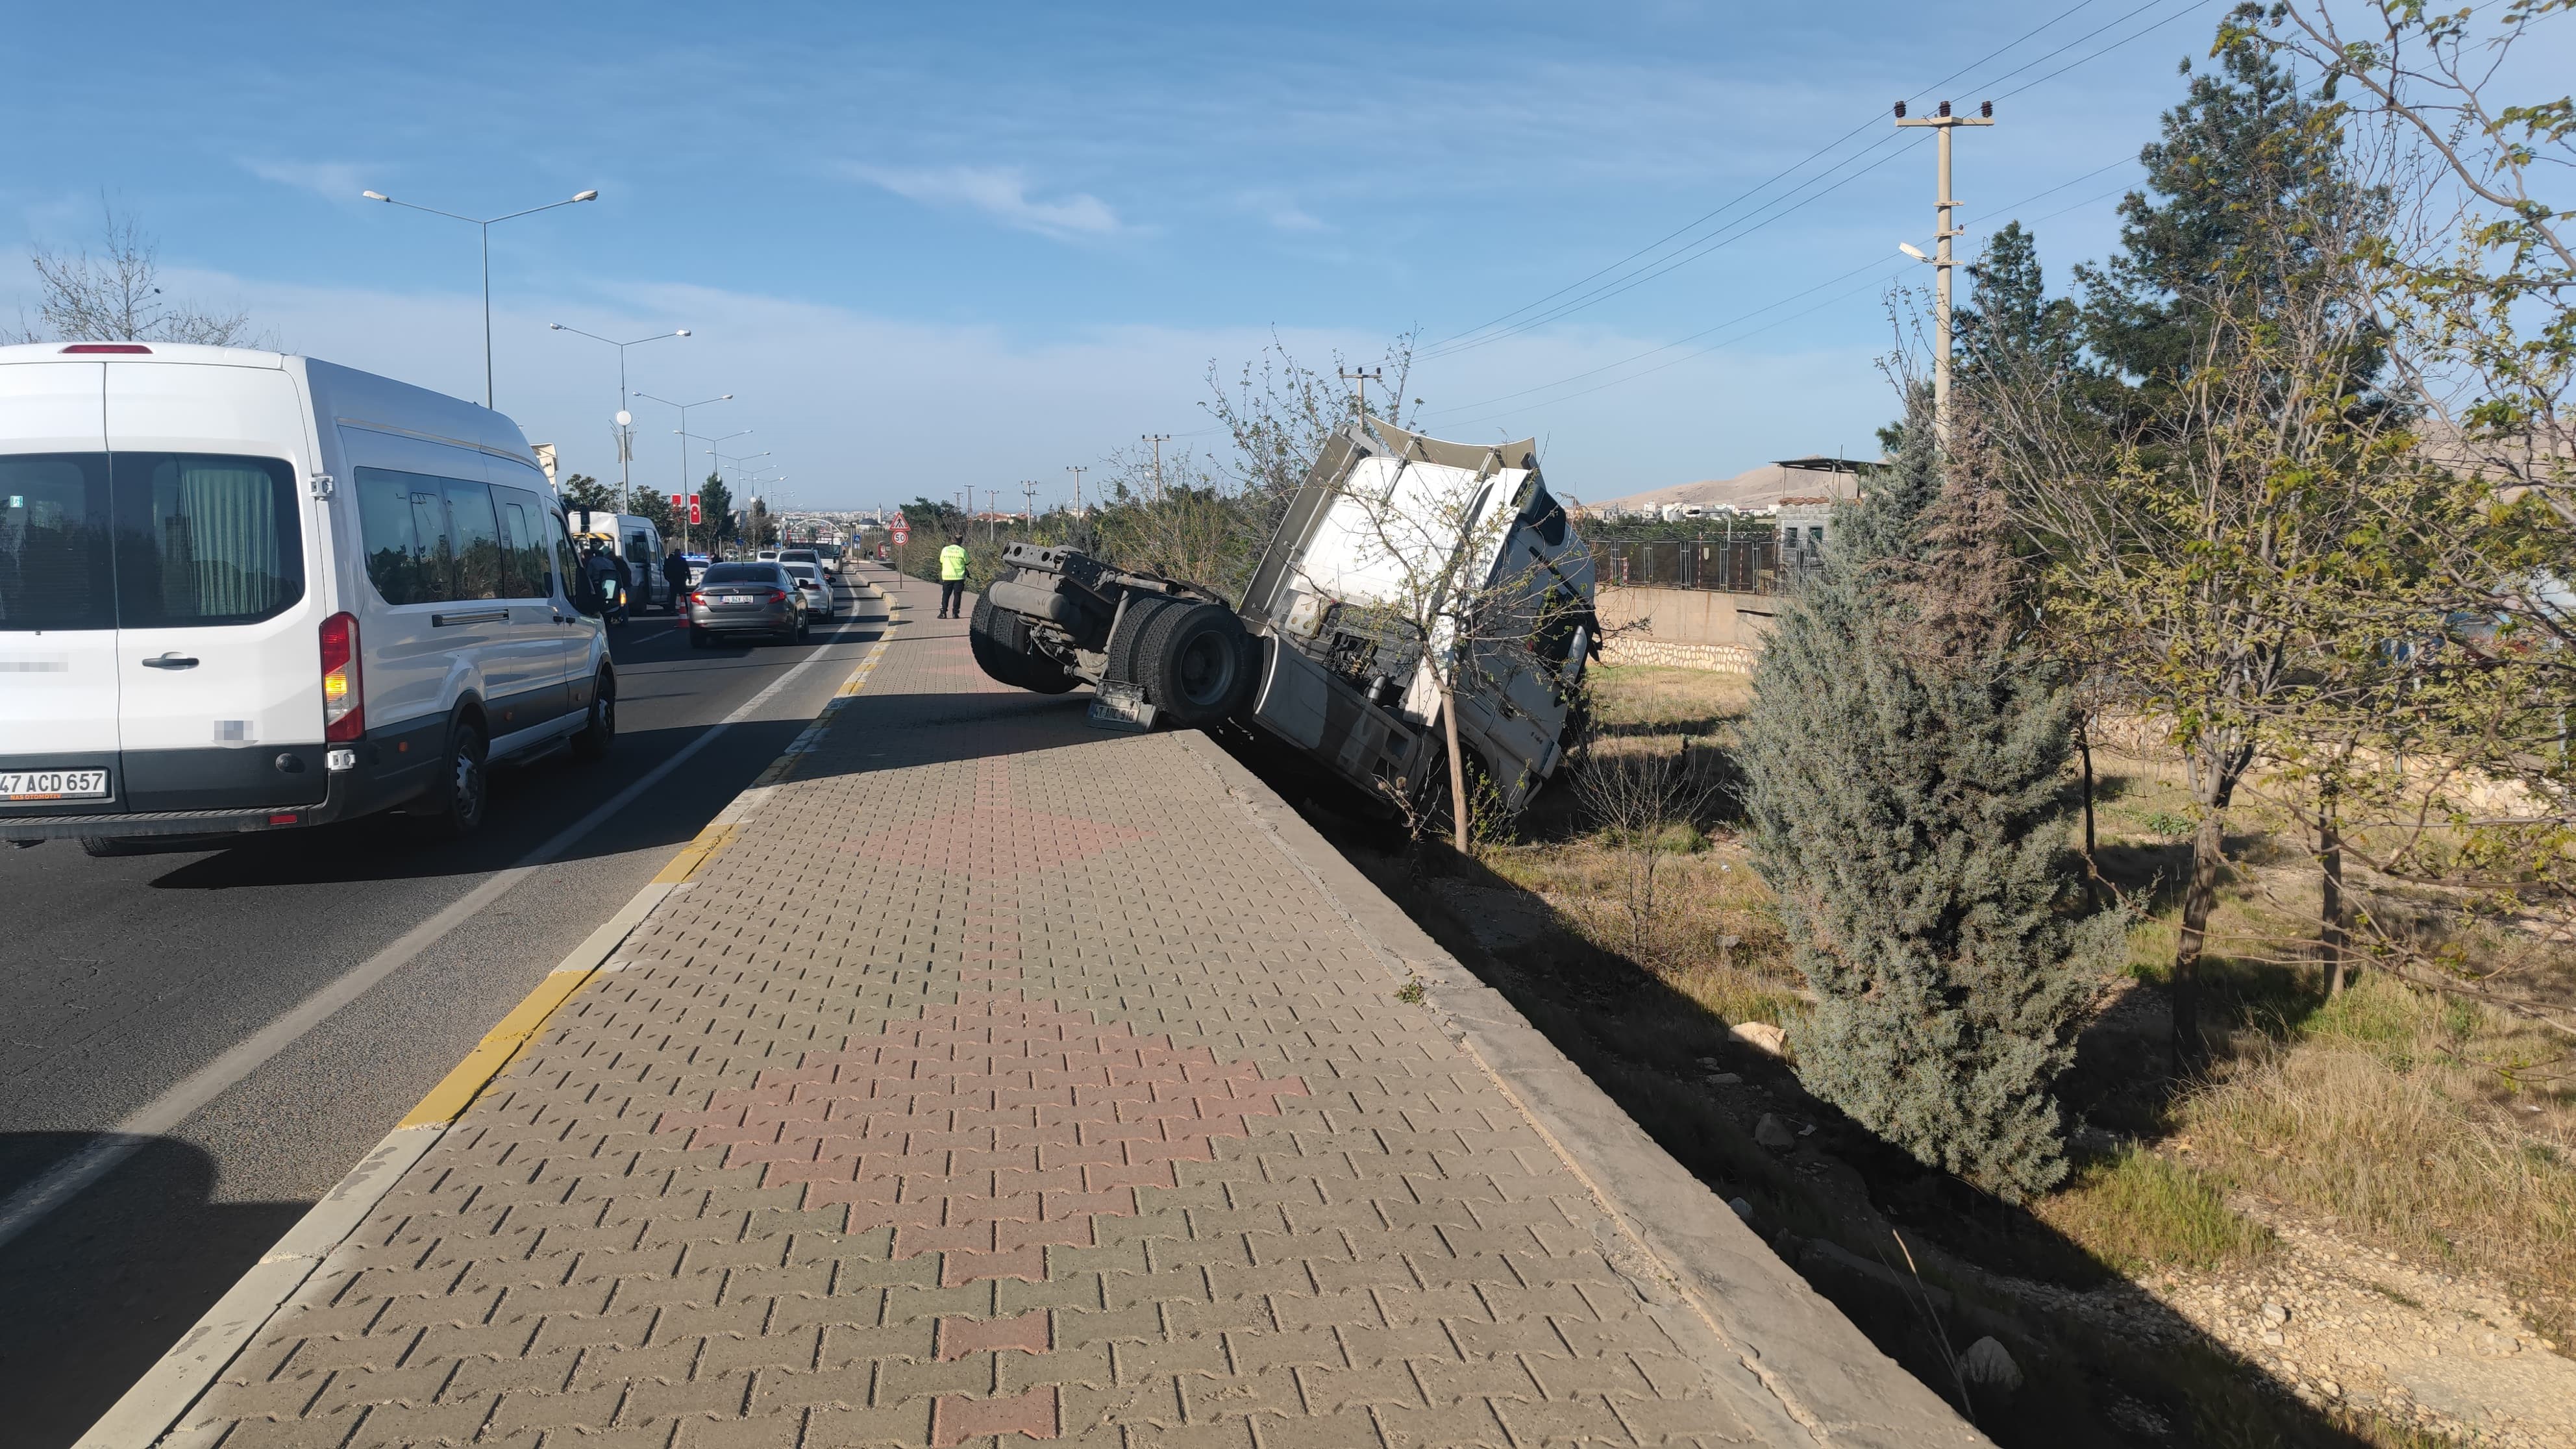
(952, 563)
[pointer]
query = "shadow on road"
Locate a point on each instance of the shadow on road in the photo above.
(92, 1296)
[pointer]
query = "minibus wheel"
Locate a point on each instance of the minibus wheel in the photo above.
(599, 729)
(463, 786)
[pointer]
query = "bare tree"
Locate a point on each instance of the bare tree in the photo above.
(1635, 794)
(114, 294)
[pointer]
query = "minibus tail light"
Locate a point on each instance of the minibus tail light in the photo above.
(117, 347)
(344, 701)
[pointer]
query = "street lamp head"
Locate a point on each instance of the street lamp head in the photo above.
(1911, 250)
(683, 332)
(624, 417)
(586, 196)
(375, 196)
(555, 326)
(728, 397)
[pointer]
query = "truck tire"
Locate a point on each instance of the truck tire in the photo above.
(1129, 662)
(999, 643)
(1196, 667)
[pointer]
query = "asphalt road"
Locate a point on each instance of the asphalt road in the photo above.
(121, 977)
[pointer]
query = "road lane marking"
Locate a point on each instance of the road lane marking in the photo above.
(173, 1384)
(30, 1204)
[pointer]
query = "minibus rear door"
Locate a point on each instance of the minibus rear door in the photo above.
(219, 587)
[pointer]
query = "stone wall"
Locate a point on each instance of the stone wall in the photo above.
(1683, 628)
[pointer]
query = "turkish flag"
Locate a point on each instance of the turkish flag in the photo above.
(675, 500)
(693, 511)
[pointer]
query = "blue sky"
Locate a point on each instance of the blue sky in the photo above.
(932, 247)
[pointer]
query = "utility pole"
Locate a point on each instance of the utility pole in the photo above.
(992, 511)
(1374, 374)
(1158, 440)
(1943, 203)
(1029, 507)
(1077, 487)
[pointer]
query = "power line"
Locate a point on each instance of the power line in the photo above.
(1794, 296)
(1692, 251)
(1730, 204)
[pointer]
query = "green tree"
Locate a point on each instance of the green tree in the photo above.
(2013, 323)
(655, 508)
(715, 505)
(1904, 756)
(580, 490)
(2245, 148)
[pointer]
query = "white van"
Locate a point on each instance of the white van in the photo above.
(631, 537)
(246, 591)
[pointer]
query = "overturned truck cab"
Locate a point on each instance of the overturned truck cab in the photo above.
(1407, 572)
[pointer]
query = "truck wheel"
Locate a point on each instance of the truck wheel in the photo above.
(998, 643)
(1196, 668)
(1129, 661)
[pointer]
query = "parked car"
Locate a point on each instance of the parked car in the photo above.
(817, 589)
(697, 566)
(245, 591)
(746, 598)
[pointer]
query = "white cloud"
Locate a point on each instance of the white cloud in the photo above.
(1281, 210)
(1000, 192)
(338, 180)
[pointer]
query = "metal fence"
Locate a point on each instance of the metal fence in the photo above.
(1743, 564)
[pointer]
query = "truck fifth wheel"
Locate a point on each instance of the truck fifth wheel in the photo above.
(1402, 559)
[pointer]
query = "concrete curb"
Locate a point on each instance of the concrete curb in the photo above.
(146, 1413)
(1828, 1382)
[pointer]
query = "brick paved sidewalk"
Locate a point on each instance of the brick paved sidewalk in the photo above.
(1000, 1078)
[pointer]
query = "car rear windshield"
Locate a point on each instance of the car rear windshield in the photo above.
(737, 573)
(143, 540)
(806, 571)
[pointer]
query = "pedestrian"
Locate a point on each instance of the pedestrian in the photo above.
(676, 569)
(952, 577)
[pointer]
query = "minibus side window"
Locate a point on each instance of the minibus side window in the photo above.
(523, 553)
(478, 539)
(397, 564)
(54, 566)
(437, 547)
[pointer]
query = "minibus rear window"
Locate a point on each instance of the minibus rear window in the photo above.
(204, 539)
(54, 567)
(146, 540)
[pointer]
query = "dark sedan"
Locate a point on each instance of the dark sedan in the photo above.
(745, 598)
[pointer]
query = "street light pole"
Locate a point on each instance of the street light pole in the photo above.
(625, 434)
(486, 225)
(683, 430)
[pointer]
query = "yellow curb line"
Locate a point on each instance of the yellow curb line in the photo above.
(457, 1090)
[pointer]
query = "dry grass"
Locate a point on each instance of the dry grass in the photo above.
(2368, 1115)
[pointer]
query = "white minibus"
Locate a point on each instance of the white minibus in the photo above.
(245, 591)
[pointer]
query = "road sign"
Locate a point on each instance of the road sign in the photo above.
(902, 534)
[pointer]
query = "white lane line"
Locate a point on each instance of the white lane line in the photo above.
(29, 1205)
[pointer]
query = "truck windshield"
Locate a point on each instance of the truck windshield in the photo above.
(136, 540)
